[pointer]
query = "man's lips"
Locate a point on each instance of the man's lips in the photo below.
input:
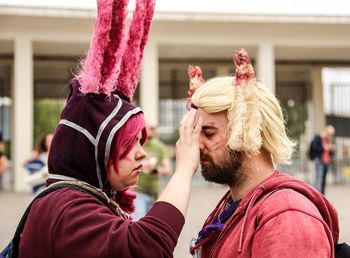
(204, 160)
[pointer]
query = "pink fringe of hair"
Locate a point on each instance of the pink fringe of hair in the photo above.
(126, 200)
(114, 60)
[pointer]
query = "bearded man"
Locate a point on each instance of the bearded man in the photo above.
(265, 213)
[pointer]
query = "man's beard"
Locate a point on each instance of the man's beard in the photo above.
(227, 170)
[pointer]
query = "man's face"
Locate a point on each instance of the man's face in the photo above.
(330, 131)
(219, 163)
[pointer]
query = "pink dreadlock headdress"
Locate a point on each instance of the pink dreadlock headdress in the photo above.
(244, 115)
(99, 102)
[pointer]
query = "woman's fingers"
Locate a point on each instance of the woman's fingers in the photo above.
(188, 123)
(187, 147)
(183, 119)
(198, 127)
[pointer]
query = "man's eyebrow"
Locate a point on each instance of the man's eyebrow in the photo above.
(209, 126)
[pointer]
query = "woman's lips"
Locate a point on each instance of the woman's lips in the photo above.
(138, 169)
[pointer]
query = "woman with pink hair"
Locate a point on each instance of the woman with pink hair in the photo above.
(96, 157)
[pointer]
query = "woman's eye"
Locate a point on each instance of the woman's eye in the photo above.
(138, 140)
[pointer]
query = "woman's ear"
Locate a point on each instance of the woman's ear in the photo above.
(110, 169)
(110, 173)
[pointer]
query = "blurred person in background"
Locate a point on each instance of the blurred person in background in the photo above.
(322, 151)
(155, 166)
(265, 213)
(4, 165)
(36, 164)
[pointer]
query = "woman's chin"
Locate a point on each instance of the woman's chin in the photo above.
(136, 180)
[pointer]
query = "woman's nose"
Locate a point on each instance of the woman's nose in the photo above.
(141, 154)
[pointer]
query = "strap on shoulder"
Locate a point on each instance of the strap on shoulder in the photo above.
(342, 250)
(59, 185)
(17, 236)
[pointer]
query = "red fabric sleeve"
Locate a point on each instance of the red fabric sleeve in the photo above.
(291, 234)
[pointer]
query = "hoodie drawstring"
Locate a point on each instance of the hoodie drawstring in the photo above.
(252, 200)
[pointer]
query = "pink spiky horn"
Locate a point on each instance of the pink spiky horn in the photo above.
(244, 69)
(196, 80)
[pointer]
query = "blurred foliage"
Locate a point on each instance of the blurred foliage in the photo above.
(46, 116)
(295, 117)
(7, 148)
(170, 139)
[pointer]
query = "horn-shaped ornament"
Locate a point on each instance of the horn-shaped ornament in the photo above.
(244, 69)
(113, 61)
(196, 80)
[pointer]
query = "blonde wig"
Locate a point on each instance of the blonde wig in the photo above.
(254, 114)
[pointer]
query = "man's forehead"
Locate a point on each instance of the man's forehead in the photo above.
(212, 120)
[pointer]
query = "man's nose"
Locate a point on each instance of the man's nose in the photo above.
(201, 144)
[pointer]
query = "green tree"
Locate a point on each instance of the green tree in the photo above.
(46, 116)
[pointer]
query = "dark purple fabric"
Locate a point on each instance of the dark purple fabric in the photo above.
(70, 223)
(219, 223)
(71, 153)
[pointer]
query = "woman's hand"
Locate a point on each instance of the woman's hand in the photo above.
(187, 161)
(187, 147)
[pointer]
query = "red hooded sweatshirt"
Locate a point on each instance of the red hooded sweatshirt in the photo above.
(281, 217)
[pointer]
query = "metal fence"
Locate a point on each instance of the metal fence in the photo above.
(339, 171)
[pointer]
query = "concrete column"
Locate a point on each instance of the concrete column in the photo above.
(22, 136)
(149, 91)
(319, 119)
(265, 66)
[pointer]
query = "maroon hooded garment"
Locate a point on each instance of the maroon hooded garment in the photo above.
(71, 223)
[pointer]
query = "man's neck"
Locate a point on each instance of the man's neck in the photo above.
(256, 169)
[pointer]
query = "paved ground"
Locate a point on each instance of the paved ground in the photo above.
(203, 199)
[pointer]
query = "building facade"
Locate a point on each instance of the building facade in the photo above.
(41, 46)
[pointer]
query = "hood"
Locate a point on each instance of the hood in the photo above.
(326, 209)
(82, 141)
(280, 181)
